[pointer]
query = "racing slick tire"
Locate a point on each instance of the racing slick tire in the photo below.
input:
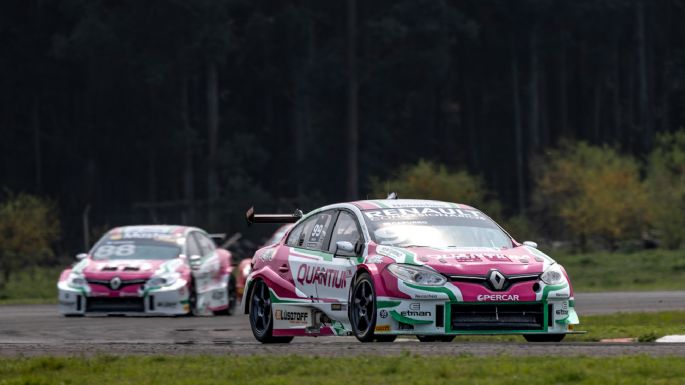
(432, 338)
(232, 298)
(192, 301)
(362, 313)
(261, 317)
(544, 337)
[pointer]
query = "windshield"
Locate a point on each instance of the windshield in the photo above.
(438, 227)
(135, 249)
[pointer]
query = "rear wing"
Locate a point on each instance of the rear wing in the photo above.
(272, 218)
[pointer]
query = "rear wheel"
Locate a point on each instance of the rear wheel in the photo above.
(363, 309)
(261, 320)
(437, 338)
(544, 337)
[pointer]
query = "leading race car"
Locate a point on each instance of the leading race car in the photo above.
(164, 270)
(376, 269)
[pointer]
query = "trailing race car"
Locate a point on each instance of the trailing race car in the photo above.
(380, 268)
(165, 270)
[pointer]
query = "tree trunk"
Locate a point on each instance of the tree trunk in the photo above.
(534, 118)
(518, 133)
(188, 147)
(644, 107)
(352, 147)
(212, 137)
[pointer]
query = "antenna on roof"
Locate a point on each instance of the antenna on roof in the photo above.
(392, 195)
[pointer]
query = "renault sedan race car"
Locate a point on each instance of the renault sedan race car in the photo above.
(162, 270)
(377, 269)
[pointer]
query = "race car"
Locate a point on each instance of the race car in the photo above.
(245, 266)
(160, 270)
(377, 269)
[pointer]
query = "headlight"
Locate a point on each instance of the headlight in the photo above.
(77, 281)
(246, 270)
(553, 275)
(417, 274)
(162, 280)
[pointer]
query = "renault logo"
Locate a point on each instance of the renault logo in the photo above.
(496, 279)
(114, 283)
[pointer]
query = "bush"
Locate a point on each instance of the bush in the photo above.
(594, 191)
(666, 186)
(28, 226)
(426, 180)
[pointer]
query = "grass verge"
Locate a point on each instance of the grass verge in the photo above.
(31, 286)
(407, 369)
(636, 271)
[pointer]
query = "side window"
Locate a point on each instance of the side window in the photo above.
(191, 246)
(345, 230)
(312, 233)
(206, 244)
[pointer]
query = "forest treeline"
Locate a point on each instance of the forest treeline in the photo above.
(189, 112)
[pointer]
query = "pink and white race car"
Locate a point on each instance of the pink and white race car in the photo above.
(377, 269)
(163, 270)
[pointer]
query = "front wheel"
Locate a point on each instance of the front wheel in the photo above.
(261, 321)
(363, 308)
(544, 337)
(433, 338)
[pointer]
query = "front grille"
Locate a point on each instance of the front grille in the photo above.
(510, 280)
(113, 305)
(497, 316)
(124, 282)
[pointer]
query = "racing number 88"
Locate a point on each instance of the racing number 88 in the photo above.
(120, 251)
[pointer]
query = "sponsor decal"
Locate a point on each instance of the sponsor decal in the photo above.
(383, 313)
(418, 212)
(319, 275)
(338, 307)
(497, 258)
(218, 295)
(292, 316)
(561, 312)
(425, 296)
(390, 252)
(166, 304)
(382, 328)
(267, 256)
(410, 313)
(414, 306)
(497, 297)
(374, 259)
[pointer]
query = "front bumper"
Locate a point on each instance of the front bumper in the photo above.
(169, 300)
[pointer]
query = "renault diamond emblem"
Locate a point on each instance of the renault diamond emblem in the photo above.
(115, 283)
(496, 279)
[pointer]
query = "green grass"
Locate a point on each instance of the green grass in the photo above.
(646, 327)
(636, 271)
(406, 369)
(31, 286)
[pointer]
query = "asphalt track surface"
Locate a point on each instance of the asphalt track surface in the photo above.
(29, 330)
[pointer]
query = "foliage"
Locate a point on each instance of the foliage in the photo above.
(594, 190)
(31, 285)
(299, 369)
(427, 180)
(28, 226)
(666, 186)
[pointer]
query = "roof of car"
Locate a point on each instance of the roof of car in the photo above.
(376, 204)
(156, 229)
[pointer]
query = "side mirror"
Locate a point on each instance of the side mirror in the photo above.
(195, 261)
(81, 256)
(344, 248)
(531, 244)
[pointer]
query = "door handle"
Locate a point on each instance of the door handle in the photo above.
(283, 269)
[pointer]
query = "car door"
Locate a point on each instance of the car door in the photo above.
(314, 270)
(208, 275)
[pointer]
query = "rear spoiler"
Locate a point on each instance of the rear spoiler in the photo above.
(272, 218)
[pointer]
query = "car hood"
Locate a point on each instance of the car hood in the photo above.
(128, 268)
(470, 261)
